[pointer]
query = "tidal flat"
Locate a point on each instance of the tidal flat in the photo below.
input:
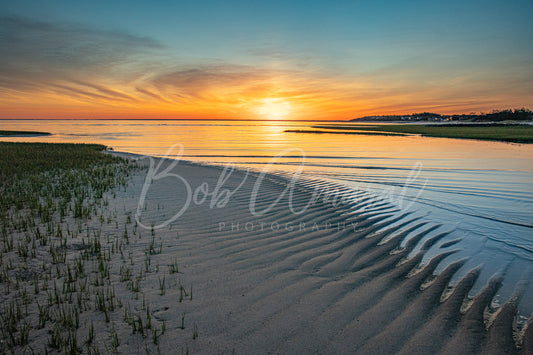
(86, 268)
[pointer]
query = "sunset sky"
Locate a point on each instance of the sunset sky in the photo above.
(263, 59)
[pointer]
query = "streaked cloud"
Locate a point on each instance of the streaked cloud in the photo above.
(39, 52)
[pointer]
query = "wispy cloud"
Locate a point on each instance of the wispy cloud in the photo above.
(206, 81)
(111, 93)
(43, 52)
(153, 95)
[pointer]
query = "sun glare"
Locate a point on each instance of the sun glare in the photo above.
(274, 108)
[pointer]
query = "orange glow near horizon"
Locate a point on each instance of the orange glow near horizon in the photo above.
(245, 96)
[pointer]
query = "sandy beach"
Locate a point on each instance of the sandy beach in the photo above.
(220, 261)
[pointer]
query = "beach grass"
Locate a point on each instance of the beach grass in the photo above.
(48, 177)
(515, 133)
(42, 185)
(58, 266)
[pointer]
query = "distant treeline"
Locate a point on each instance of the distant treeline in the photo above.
(522, 114)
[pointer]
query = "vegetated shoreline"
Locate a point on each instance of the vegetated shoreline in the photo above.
(512, 133)
(522, 115)
(23, 133)
(260, 283)
(354, 132)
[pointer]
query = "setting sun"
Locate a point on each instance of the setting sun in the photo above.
(274, 108)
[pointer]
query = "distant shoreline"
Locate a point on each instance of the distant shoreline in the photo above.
(23, 134)
(522, 114)
(512, 133)
(449, 123)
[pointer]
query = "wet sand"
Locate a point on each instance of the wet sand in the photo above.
(322, 281)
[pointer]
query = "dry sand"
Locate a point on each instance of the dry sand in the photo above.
(317, 282)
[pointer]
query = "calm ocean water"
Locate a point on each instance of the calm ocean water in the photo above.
(480, 192)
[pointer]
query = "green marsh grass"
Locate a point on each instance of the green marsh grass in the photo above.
(515, 133)
(64, 271)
